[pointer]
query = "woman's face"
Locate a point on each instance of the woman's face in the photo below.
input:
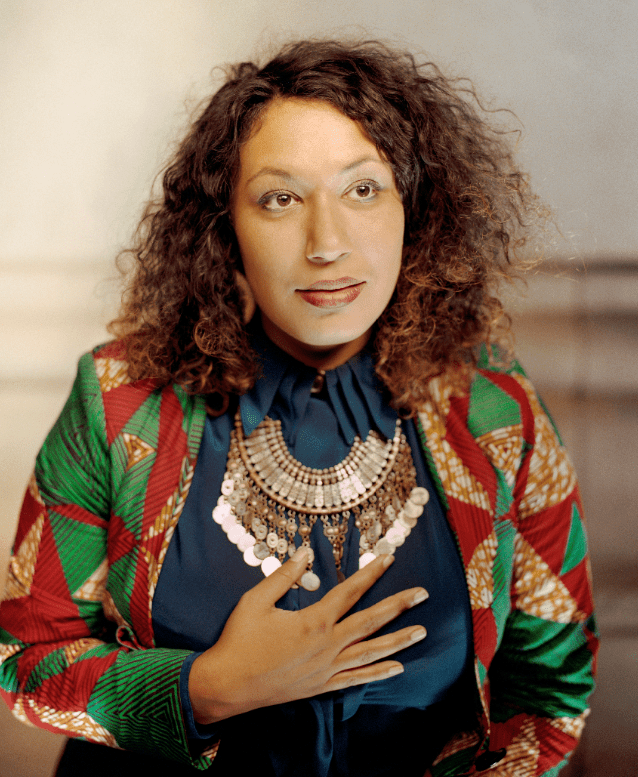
(319, 222)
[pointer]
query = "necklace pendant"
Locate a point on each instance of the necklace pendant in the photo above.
(309, 581)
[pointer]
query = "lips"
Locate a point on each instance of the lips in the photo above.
(336, 285)
(339, 293)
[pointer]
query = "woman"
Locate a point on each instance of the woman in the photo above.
(300, 395)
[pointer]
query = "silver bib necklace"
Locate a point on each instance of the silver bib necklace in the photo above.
(269, 498)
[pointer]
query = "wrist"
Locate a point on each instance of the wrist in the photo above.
(213, 691)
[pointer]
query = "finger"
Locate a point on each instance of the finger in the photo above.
(273, 587)
(344, 596)
(361, 624)
(367, 652)
(366, 674)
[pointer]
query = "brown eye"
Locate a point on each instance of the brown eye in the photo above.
(276, 202)
(366, 191)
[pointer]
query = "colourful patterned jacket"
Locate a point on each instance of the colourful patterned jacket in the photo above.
(78, 653)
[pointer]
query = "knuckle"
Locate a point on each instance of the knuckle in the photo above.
(318, 625)
(371, 624)
(366, 656)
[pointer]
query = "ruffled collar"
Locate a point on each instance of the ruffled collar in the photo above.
(355, 395)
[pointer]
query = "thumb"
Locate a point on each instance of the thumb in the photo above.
(279, 582)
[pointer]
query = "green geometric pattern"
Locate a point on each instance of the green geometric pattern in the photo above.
(490, 407)
(72, 539)
(576, 543)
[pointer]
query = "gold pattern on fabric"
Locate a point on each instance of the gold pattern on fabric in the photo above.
(165, 524)
(483, 686)
(111, 373)
(79, 648)
(6, 651)
(22, 564)
(34, 491)
(522, 754)
(75, 722)
(18, 712)
(479, 573)
(456, 478)
(571, 726)
(92, 590)
(462, 741)
(503, 447)
(551, 476)
(540, 592)
(136, 449)
(211, 751)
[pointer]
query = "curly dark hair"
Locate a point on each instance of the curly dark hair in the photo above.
(468, 211)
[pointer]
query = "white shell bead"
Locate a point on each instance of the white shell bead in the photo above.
(382, 547)
(250, 558)
(420, 495)
(228, 523)
(272, 539)
(269, 565)
(365, 559)
(221, 512)
(235, 533)
(261, 551)
(228, 486)
(245, 542)
(406, 520)
(395, 537)
(412, 510)
(309, 581)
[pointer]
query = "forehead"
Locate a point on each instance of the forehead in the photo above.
(305, 133)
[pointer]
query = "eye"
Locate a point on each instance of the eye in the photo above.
(276, 202)
(364, 191)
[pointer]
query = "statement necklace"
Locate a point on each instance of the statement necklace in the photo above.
(268, 498)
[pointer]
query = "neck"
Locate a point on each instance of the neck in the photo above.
(320, 358)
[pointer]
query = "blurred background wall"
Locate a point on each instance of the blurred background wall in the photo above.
(95, 94)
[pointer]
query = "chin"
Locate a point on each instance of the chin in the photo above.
(328, 340)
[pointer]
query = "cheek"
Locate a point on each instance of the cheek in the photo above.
(385, 247)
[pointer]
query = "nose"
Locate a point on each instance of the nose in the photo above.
(327, 233)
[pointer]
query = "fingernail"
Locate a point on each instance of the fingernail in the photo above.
(301, 554)
(388, 560)
(417, 634)
(420, 596)
(395, 670)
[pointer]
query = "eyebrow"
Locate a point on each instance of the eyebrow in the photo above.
(276, 171)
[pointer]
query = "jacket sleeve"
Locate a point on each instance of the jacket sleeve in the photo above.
(542, 673)
(536, 686)
(63, 664)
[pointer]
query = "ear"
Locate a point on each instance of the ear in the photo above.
(246, 296)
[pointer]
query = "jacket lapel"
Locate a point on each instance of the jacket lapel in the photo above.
(467, 485)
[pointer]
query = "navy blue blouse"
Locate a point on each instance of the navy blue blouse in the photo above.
(361, 731)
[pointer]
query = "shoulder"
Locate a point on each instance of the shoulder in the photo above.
(106, 389)
(483, 398)
(109, 365)
(491, 407)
